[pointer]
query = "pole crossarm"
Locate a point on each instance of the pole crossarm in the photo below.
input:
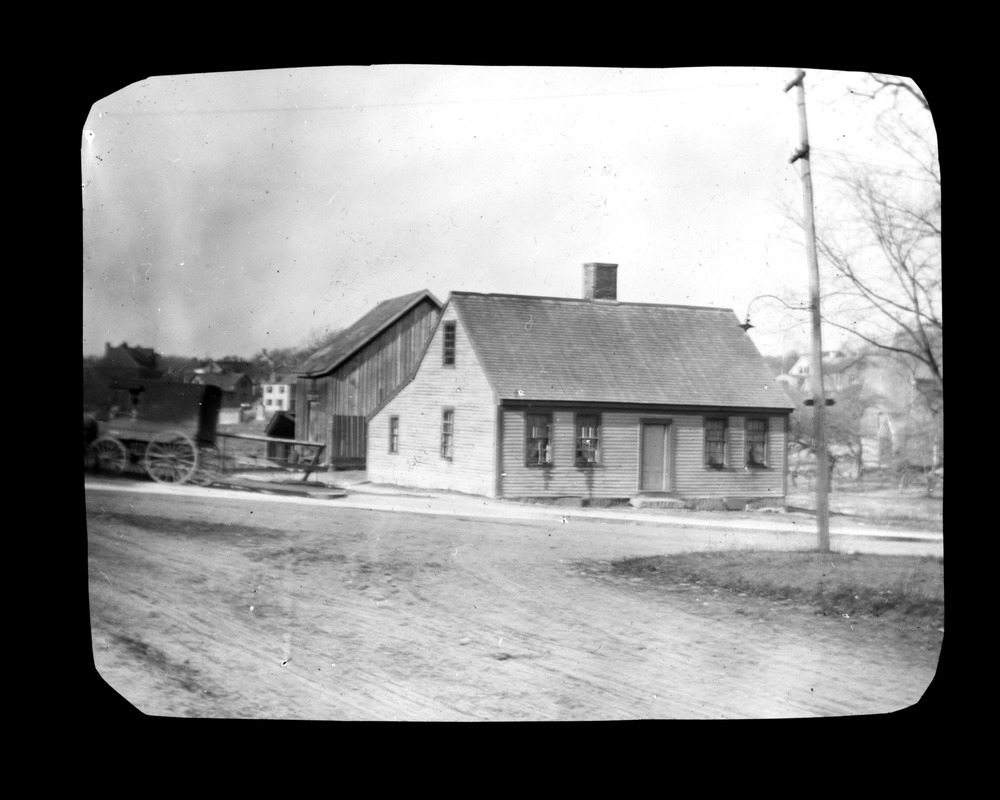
(796, 81)
(802, 152)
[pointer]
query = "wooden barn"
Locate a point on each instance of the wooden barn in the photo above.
(522, 397)
(340, 384)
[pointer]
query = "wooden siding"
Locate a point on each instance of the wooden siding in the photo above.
(312, 421)
(356, 387)
(374, 372)
(614, 476)
(693, 479)
(419, 406)
(617, 474)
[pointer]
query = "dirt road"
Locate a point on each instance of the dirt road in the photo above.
(252, 609)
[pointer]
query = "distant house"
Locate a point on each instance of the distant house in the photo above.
(125, 366)
(111, 384)
(278, 393)
(840, 370)
(341, 383)
(192, 368)
(894, 407)
(590, 398)
(175, 368)
(237, 392)
(905, 422)
(232, 364)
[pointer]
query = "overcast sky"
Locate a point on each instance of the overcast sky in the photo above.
(229, 212)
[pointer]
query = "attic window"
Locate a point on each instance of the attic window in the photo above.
(715, 443)
(588, 439)
(537, 440)
(449, 344)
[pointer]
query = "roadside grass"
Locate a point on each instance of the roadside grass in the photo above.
(857, 585)
(876, 504)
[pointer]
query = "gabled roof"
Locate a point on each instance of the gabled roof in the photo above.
(227, 381)
(834, 361)
(130, 357)
(556, 349)
(349, 341)
(281, 425)
(275, 378)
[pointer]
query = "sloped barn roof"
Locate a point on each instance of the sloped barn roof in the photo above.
(328, 358)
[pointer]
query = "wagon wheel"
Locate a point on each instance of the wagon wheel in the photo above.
(209, 465)
(109, 455)
(171, 457)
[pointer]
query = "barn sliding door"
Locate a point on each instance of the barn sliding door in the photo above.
(348, 443)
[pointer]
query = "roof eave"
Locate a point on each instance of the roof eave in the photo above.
(692, 406)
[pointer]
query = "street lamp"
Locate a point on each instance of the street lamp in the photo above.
(747, 326)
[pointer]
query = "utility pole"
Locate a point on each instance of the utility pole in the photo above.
(816, 373)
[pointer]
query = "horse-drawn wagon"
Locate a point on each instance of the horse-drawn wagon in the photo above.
(169, 431)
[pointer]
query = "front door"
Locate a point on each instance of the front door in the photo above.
(654, 472)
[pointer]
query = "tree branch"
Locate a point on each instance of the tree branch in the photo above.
(896, 85)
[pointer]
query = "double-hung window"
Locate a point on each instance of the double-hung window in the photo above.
(449, 344)
(447, 433)
(588, 439)
(393, 435)
(756, 442)
(537, 439)
(715, 442)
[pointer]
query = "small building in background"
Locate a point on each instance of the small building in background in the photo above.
(281, 425)
(127, 365)
(112, 382)
(237, 393)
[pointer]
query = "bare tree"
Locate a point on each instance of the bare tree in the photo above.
(846, 429)
(883, 263)
(320, 338)
(894, 85)
(288, 359)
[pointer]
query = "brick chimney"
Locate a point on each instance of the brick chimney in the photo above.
(600, 281)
